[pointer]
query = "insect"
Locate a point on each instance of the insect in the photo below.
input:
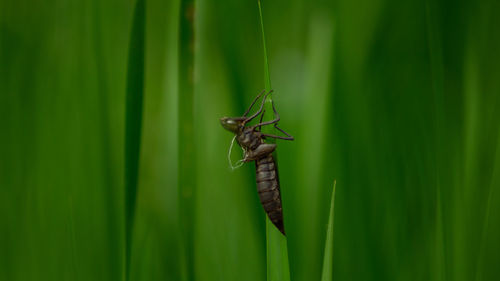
(252, 140)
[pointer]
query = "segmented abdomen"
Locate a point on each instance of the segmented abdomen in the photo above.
(269, 190)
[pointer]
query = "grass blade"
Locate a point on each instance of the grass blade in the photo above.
(277, 250)
(437, 79)
(267, 76)
(327, 274)
(187, 164)
(133, 120)
(277, 254)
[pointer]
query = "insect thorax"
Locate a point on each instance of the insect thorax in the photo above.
(249, 139)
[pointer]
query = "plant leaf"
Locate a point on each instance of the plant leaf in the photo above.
(327, 274)
(277, 250)
(133, 120)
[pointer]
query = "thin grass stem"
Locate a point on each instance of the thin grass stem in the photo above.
(276, 246)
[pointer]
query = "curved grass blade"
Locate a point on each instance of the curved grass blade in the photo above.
(277, 250)
(133, 121)
(327, 274)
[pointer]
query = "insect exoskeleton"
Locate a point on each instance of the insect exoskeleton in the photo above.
(252, 140)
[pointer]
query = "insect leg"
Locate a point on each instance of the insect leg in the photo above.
(260, 109)
(260, 121)
(272, 121)
(254, 101)
(278, 137)
(289, 137)
(281, 130)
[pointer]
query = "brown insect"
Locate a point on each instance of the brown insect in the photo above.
(252, 141)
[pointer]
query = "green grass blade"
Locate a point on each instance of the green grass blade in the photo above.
(327, 274)
(277, 250)
(437, 80)
(267, 76)
(277, 254)
(187, 164)
(134, 99)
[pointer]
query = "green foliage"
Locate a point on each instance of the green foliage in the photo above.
(397, 100)
(133, 122)
(186, 145)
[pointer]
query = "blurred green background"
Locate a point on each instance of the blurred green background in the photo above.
(399, 101)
